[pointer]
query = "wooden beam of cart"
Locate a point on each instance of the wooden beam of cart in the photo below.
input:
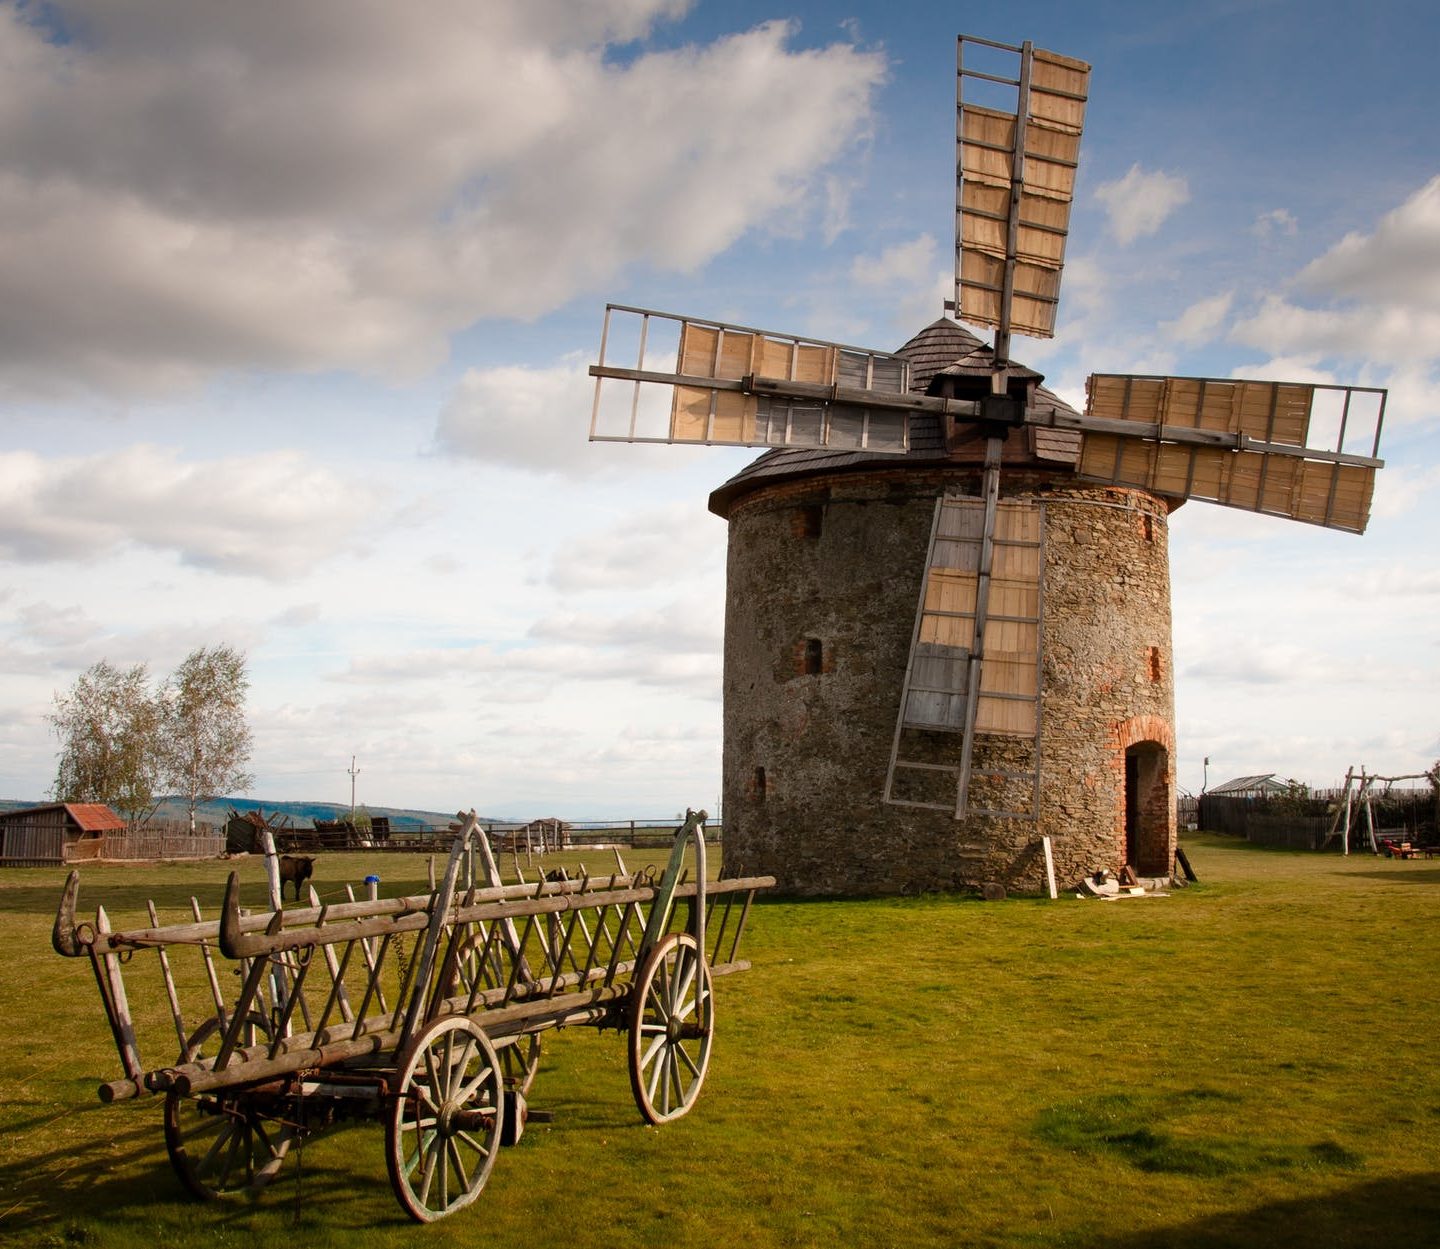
(73, 939)
(236, 942)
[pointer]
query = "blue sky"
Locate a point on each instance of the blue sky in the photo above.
(296, 305)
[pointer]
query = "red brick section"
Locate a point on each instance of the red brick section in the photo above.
(807, 520)
(802, 658)
(1156, 806)
(1141, 729)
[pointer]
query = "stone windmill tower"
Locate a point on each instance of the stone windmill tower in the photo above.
(947, 633)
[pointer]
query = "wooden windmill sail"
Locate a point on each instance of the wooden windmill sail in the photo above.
(1296, 450)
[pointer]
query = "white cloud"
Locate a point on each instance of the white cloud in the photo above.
(536, 419)
(542, 668)
(657, 547)
(1385, 334)
(1399, 491)
(1087, 286)
(1139, 203)
(43, 638)
(1381, 296)
(1200, 322)
(683, 627)
(523, 417)
(903, 264)
(342, 184)
(269, 515)
(1398, 264)
(1392, 581)
(1276, 221)
(1285, 369)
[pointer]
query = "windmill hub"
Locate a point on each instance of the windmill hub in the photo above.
(1002, 411)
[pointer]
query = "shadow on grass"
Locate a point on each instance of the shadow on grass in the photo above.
(1400, 876)
(116, 1178)
(1401, 1211)
(1135, 1128)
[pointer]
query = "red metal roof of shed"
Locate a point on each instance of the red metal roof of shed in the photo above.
(94, 817)
(88, 817)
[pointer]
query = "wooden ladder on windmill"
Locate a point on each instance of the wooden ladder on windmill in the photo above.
(974, 665)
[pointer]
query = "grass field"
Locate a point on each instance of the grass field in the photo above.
(1252, 1061)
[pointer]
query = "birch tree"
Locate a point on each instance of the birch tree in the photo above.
(204, 739)
(108, 723)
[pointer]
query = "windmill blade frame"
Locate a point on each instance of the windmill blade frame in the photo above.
(735, 385)
(1247, 444)
(1014, 183)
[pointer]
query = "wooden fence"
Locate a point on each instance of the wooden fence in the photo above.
(1302, 823)
(504, 838)
(52, 846)
(174, 840)
(164, 840)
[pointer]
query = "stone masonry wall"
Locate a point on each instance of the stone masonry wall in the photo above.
(824, 578)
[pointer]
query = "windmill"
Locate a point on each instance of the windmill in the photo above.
(974, 675)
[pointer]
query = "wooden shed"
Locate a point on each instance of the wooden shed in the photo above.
(1265, 785)
(56, 832)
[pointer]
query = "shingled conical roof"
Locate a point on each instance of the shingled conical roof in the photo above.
(946, 347)
(942, 348)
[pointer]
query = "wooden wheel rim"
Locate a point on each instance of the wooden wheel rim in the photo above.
(443, 1130)
(672, 1024)
(222, 1145)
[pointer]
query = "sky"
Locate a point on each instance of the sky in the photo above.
(296, 303)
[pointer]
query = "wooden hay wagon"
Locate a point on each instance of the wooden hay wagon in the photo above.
(423, 1012)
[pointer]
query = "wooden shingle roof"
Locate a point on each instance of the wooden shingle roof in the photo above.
(944, 347)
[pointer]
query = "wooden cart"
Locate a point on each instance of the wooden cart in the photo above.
(424, 1012)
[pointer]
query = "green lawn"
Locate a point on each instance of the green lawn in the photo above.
(1249, 1061)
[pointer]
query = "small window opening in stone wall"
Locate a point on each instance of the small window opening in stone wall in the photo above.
(759, 784)
(814, 656)
(809, 520)
(1156, 670)
(1149, 524)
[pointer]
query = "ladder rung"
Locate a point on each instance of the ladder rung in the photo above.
(929, 806)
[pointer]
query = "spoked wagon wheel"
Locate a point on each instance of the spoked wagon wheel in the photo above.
(221, 1144)
(672, 1022)
(444, 1129)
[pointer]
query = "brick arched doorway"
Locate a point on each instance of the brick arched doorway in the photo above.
(1145, 763)
(1147, 809)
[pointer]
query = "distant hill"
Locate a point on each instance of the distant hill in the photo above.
(302, 814)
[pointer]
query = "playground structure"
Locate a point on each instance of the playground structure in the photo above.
(1357, 798)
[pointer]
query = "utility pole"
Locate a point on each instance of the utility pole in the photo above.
(354, 772)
